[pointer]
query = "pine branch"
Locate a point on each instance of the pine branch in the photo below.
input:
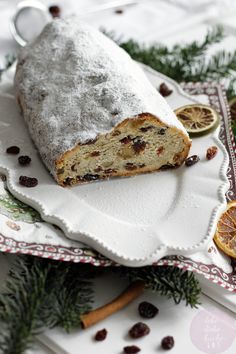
(74, 297)
(20, 307)
(39, 294)
(186, 62)
(169, 281)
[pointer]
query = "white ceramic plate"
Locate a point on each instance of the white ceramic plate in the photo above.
(134, 221)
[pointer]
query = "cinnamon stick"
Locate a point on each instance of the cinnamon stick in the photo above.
(129, 294)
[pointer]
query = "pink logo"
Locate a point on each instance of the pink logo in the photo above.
(212, 331)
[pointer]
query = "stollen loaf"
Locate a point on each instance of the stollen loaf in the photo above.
(90, 109)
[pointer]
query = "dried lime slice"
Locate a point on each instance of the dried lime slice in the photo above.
(198, 119)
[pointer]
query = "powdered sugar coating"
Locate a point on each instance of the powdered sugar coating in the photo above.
(75, 83)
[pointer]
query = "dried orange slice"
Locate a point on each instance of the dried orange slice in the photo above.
(225, 236)
(198, 119)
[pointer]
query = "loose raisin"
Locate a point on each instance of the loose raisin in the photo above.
(24, 160)
(14, 150)
(28, 181)
(139, 330)
(165, 90)
(211, 152)
(167, 343)
(139, 146)
(191, 160)
(55, 11)
(119, 11)
(147, 310)
(90, 177)
(132, 349)
(101, 335)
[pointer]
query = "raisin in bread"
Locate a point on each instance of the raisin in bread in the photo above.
(90, 109)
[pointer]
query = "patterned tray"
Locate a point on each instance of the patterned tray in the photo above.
(23, 231)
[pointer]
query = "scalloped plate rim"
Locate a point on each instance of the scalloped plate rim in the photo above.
(163, 249)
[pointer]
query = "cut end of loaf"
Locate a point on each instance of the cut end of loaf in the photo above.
(137, 145)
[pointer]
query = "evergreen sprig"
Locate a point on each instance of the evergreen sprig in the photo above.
(168, 281)
(42, 294)
(38, 294)
(188, 62)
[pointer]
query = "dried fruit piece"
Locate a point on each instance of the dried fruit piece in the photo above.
(98, 169)
(161, 131)
(24, 160)
(95, 153)
(225, 235)
(165, 90)
(139, 146)
(101, 335)
(198, 119)
(28, 181)
(119, 11)
(139, 330)
(131, 349)
(68, 181)
(191, 160)
(167, 343)
(126, 140)
(110, 170)
(141, 165)
(146, 129)
(90, 177)
(147, 310)
(211, 152)
(130, 166)
(159, 150)
(168, 166)
(55, 11)
(61, 170)
(14, 150)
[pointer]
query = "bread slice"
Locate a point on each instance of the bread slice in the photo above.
(91, 111)
(137, 145)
